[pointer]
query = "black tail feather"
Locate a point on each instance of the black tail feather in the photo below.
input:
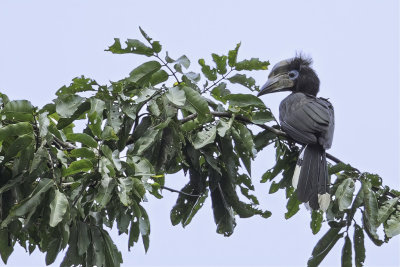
(314, 178)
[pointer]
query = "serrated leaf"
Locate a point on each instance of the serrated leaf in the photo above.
(344, 193)
(316, 221)
(82, 165)
(82, 138)
(176, 95)
(244, 100)
(252, 64)
(359, 248)
(205, 137)
(58, 207)
(324, 245)
(347, 253)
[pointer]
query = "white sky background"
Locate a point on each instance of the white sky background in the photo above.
(354, 45)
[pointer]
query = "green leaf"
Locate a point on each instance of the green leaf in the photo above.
(232, 56)
(79, 84)
(64, 122)
(339, 168)
(18, 145)
(359, 248)
(244, 145)
(125, 185)
(292, 205)
(105, 191)
(252, 64)
(220, 61)
(205, 137)
(224, 125)
(17, 129)
(210, 73)
(144, 72)
(29, 204)
(18, 110)
(154, 44)
(108, 134)
(392, 225)
(66, 105)
(347, 253)
(262, 117)
(242, 79)
(184, 61)
(83, 237)
(197, 102)
(82, 165)
(244, 100)
(195, 208)
(53, 250)
(316, 221)
(220, 92)
(370, 214)
(82, 138)
(133, 46)
(176, 95)
(158, 77)
(344, 194)
(386, 209)
(146, 141)
(5, 248)
(58, 208)
(324, 245)
(112, 255)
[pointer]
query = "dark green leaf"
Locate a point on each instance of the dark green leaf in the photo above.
(344, 194)
(252, 64)
(197, 102)
(347, 253)
(232, 56)
(82, 165)
(79, 84)
(18, 110)
(386, 209)
(17, 129)
(340, 167)
(292, 205)
(64, 122)
(144, 72)
(82, 138)
(154, 44)
(158, 77)
(5, 247)
(359, 248)
(324, 245)
(220, 61)
(316, 221)
(58, 207)
(83, 238)
(205, 137)
(262, 117)
(392, 225)
(220, 92)
(210, 73)
(53, 250)
(244, 100)
(242, 79)
(18, 145)
(66, 105)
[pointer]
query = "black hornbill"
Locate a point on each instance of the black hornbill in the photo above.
(308, 120)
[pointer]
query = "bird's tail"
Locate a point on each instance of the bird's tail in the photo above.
(311, 177)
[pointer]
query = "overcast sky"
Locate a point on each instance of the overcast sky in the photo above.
(355, 47)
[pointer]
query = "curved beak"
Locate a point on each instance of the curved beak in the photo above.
(278, 83)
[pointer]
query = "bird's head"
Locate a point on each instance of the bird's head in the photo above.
(294, 74)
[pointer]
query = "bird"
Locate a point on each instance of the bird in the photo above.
(308, 120)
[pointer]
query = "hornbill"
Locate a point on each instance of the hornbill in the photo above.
(308, 120)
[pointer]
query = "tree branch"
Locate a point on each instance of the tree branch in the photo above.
(215, 83)
(177, 191)
(263, 126)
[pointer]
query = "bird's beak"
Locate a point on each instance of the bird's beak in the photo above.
(278, 83)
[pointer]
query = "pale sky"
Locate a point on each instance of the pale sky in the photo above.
(355, 47)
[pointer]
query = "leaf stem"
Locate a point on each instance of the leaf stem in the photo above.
(166, 65)
(215, 83)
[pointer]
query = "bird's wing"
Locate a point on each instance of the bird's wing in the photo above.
(308, 120)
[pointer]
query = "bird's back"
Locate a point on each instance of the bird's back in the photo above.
(307, 119)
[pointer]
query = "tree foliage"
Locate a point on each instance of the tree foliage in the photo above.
(61, 188)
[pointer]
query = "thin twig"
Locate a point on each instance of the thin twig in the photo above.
(177, 191)
(215, 83)
(166, 65)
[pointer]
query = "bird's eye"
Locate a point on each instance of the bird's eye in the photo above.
(293, 74)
